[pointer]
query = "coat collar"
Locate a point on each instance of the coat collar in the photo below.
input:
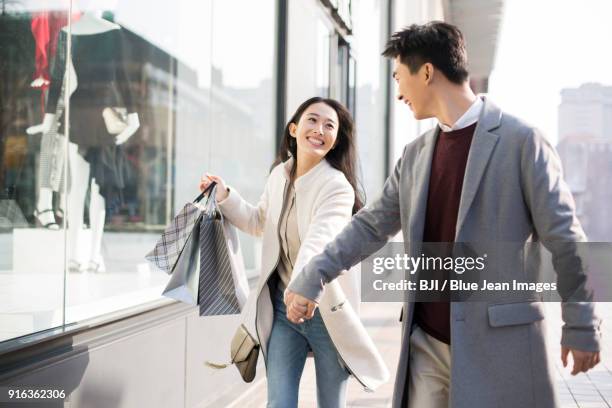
(483, 143)
(307, 180)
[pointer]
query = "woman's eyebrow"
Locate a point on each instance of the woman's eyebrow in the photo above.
(317, 115)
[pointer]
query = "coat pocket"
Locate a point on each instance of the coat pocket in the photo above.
(512, 314)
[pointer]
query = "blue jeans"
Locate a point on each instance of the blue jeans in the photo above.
(288, 346)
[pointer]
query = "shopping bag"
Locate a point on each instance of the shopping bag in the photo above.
(241, 283)
(183, 284)
(223, 287)
(167, 250)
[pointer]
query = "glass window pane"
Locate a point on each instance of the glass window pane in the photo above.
(242, 139)
(32, 169)
(308, 52)
(139, 132)
(141, 108)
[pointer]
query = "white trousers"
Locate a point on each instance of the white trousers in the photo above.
(429, 371)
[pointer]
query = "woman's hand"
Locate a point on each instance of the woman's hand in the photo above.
(221, 193)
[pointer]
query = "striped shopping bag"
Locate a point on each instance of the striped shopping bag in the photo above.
(223, 287)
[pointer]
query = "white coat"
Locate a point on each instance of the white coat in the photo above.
(324, 202)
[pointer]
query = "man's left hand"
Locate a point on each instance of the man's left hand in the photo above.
(299, 308)
(583, 360)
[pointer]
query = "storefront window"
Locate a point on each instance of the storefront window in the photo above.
(108, 121)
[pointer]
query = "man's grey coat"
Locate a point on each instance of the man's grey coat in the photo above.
(513, 191)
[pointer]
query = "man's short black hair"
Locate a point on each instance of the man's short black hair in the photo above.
(437, 42)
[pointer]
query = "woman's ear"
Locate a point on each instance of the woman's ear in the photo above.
(292, 129)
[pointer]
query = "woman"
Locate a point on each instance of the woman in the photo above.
(310, 195)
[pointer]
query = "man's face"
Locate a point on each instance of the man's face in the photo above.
(413, 89)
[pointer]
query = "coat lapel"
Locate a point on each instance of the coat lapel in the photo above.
(481, 150)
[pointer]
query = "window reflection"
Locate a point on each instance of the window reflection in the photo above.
(308, 52)
(152, 103)
(242, 141)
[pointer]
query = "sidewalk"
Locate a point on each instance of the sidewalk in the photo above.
(592, 390)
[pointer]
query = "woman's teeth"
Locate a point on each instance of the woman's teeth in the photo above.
(315, 141)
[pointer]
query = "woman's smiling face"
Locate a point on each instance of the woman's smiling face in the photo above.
(316, 131)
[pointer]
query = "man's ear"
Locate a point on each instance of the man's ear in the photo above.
(428, 72)
(292, 129)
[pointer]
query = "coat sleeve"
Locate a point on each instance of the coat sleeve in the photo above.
(367, 232)
(554, 217)
(245, 216)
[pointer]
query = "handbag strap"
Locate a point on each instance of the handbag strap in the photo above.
(247, 336)
(210, 207)
(203, 193)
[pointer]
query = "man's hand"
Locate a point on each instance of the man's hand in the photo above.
(299, 308)
(583, 360)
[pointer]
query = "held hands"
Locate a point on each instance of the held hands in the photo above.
(221, 193)
(583, 360)
(299, 308)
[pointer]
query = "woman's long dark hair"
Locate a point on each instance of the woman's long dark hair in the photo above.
(342, 157)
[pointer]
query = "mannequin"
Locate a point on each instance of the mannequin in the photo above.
(45, 30)
(93, 153)
(46, 26)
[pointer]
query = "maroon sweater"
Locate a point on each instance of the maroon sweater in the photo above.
(445, 183)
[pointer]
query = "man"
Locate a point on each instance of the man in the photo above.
(480, 176)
